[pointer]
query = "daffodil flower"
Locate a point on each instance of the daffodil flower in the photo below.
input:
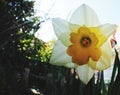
(82, 43)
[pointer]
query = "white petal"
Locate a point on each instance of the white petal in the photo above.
(84, 15)
(105, 60)
(65, 39)
(62, 30)
(60, 26)
(70, 65)
(74, 27)
(107, 29)
(59, 56)
(85, 73)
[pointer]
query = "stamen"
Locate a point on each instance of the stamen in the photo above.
(85, 41)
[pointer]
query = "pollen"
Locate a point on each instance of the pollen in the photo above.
(85, 41)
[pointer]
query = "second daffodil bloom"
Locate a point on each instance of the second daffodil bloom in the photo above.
(82, 43)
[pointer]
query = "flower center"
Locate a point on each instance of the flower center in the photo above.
(84, 46)
(85, 41)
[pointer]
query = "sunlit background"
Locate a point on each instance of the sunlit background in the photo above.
(107, 11)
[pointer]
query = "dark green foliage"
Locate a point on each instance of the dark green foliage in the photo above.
(35, 49)
(114, 87)
(14, 16)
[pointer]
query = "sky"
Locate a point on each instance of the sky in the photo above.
(108, 11)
